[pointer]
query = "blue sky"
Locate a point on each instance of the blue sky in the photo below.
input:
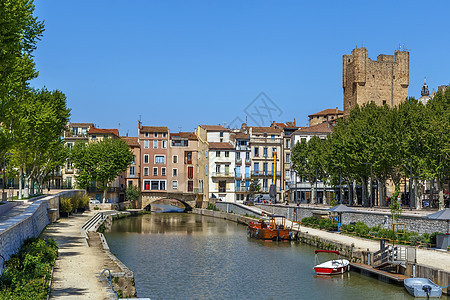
(185, 63)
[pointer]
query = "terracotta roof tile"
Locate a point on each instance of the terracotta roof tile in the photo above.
(323, 127)
(240, 135)
(214, 128)
(329, 111)
(183, 135)
(94, 130)
(131, 140)
(222, 145)
(266, 129)
(154, 129)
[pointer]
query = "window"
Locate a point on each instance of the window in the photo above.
(164, 144)
(189, 158)
(180, 143)
(256, 168)
(247, 171)
(384, 102)
(145, 158)
(238, 155)
(155, 185)
(155, 144)
(217, 153)
(94, 137)
(155, 171)
(222, 186)
(221, 140)
(175, 184)
(69, 165)
(174, 172)
(288, 157)
(190, 172)
(238, 185)
(217, 168)
(221, 134)
(131, 171)
(227, 153)
(160, 159)
(287, 173)
(130, 183)
(256, 151)
(274, 150)
(134, 160)
(146, 144)
(265, 169)
(206, 153)
(272, 136)
(146, 184)
(155, 134)
(162, 185)
(190, 187)
(238, 171)
(163, 171)
(146, 171)
(175, 159)
(164, 134)
(69, 145)
(146, 134)
(265, 151)
(247, 155)
(288, 143)
(227, 169)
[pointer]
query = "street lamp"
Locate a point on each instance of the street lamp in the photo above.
(340, 183)
(371, 189)
(4, 171)
(410, 182)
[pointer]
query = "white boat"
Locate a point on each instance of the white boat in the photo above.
(331, 267)
(422, 287)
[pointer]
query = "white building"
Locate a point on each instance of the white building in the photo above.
(221, 171)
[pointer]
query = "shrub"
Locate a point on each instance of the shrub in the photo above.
(132, 193)
(27, 273)
(74, 201)
(65, 206)
(361, 229)
(310, 221)
(83, 202)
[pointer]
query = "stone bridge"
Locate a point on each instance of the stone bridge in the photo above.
(189, 200)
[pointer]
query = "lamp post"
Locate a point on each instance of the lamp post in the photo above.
(340, 183)
(4, 171)
(371, 190)
(410, 182)
(315, 190)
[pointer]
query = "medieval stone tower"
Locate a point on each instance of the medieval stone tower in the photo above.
(384, 81)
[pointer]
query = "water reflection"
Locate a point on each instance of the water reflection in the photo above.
(187, 256)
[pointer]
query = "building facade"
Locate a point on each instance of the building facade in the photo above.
(222, 171)
(153, 141)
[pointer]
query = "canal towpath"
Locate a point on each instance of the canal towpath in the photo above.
(437, 259)
(76, 270)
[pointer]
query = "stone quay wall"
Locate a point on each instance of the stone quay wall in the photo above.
(30, 223)
(370, 218)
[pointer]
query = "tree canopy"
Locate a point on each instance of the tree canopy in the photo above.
(100, 162)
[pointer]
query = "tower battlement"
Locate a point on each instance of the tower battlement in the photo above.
(383, 81)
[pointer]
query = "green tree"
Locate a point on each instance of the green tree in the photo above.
(100, 162)
(38, 148)
(132, 193)
(20, 31)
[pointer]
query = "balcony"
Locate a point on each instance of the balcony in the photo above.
(239, 175)
(222, 174)
(238, 160)
(248, 161)
(242, 189)
(265, 173)
(242, 148)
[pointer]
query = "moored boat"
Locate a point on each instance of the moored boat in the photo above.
(270, 230)
(331, 267)
(422, 287)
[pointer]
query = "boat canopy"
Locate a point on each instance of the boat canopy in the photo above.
(327, 251)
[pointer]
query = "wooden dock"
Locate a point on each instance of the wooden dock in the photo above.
(378, 273)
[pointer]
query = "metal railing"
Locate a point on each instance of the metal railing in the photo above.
(222, 174)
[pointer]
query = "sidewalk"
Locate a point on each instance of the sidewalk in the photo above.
(77, 266)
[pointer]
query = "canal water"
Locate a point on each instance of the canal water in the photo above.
(188, 256)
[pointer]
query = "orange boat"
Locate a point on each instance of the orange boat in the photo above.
(270, 230)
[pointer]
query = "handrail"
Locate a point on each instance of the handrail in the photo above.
(110, 281)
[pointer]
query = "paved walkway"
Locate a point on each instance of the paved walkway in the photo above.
(77, 267)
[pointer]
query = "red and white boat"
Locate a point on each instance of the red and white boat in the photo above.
(331, 267)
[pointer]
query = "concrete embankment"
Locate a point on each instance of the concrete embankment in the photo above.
(431, 264)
